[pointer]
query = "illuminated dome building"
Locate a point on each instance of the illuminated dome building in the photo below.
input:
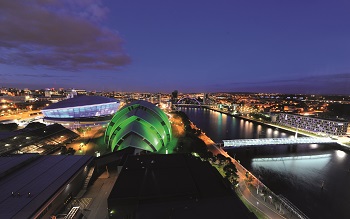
(81, 110)
(140, 125)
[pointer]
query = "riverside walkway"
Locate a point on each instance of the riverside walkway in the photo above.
(271, 205)
(274, 141)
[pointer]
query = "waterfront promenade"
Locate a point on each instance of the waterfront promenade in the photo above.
(258, 195)
(300, 180)
(255, 193)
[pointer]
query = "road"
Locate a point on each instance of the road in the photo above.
(254, 199)
(268, 204)
(20, 116)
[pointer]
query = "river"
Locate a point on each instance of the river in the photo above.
(295, 171)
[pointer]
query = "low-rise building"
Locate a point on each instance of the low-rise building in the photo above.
(35, 186)
(313, 124)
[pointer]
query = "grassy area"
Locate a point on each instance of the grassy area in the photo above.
(219, 168)
(251, 208)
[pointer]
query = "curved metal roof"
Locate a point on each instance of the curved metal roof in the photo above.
(139, 124)
(81, 101)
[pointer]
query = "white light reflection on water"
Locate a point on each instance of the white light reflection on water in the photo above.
(259, 128)
(313, 146)
(340, 154)
(224, 120)
(309, 166)
(293, 157)
(269, 132)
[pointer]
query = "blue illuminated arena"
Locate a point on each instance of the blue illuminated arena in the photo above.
(81, 109)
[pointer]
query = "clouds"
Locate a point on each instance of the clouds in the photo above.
(40, 75)
(58, 34)
(313, 84)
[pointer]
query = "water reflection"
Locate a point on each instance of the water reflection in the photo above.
(313, 146)
(340, 154)
(314, 177)
(220, 126)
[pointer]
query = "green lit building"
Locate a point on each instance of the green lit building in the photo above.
(140, 125)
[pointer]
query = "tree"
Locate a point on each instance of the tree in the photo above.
(71, 151)
(230, 169)
(206, 155)
(231, 173)
(221, 158)
(80, 130)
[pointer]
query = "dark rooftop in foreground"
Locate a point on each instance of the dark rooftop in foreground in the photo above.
(41, 176)
(81, 101)
(173, 186)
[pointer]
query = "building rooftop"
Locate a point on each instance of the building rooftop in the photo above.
(30, 181)
(153, 184)
(81, 101)
(139, 124)
(8, 164)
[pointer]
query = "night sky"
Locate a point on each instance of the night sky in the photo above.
(190, 45)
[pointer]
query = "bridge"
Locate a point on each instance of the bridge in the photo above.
(275, 141)
(190, 105)
(190, 102)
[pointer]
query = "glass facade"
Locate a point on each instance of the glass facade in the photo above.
(87, 111)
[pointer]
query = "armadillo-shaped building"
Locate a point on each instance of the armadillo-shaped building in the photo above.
(141, 125)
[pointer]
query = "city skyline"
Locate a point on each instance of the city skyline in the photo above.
(197, 46)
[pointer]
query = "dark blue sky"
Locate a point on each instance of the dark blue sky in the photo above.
(163, 45)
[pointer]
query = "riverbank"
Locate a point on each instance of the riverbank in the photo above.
(263, 202)
(253, 193)
(298, 177)
(343, 141)
(271, 125)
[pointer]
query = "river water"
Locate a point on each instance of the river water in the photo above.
(294, 171)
